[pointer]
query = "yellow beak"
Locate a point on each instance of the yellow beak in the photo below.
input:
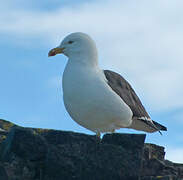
(55, 51)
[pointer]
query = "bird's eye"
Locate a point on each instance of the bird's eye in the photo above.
(70, 42)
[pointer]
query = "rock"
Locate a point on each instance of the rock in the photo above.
(3, 175)
(25, 143)
(24, 150)
(57, 154)
(168, 177)
(43, 154)
(156, 167)
(6, 125)
(154, 151)
(84, 159)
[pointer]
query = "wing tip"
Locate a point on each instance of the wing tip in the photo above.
(153, 124)
(161, 127)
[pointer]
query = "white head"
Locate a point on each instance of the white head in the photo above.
(77, 46)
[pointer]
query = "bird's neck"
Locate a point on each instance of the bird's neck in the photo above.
(85, 59)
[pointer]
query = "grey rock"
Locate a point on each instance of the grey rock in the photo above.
(43, 154)
(154, 166)
(25, 143)
(168, 177)
(87, 159)
(3, 174)
(55, 155)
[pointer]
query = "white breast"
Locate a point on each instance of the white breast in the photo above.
(91, 102)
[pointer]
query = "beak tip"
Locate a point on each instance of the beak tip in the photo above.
(55, 51)
(51, 53)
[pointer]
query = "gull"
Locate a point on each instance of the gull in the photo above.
(99, 100)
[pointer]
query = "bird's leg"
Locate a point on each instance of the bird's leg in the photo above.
(113, 131)
(97, 145)
(98, 139)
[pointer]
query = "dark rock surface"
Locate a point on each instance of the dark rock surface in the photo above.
(42, 154)
(155, 167)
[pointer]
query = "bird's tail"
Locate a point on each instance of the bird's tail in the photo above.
(154, 125)
(147, 125)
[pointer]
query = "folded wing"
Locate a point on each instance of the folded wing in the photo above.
(141, 119)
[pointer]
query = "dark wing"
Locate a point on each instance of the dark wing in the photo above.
(126, 92)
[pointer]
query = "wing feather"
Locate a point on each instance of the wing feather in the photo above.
(126, 92)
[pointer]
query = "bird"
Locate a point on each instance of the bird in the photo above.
(99, 100)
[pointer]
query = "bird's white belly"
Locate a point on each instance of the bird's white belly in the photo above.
(91, 103)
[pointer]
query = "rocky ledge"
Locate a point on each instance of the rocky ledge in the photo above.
(43, 154)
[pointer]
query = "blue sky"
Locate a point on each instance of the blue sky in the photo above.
(141, 40)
